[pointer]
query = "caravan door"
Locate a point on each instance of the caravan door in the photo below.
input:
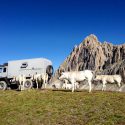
(3, 72)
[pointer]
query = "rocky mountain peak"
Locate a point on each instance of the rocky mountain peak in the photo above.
(91, 41)
(103, 58)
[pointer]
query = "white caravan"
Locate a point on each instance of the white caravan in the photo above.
(27, 67)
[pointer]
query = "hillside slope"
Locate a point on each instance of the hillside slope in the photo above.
(46, 107)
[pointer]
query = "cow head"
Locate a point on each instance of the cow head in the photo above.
(63, 76)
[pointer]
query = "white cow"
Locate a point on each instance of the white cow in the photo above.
(77, 76)
(20, 79)
(39, 78)
(45, 79)
(108, 79)
(67, 85)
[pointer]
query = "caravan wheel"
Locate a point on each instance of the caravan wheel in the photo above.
(49, 71)
(28, 84)
(3, 85)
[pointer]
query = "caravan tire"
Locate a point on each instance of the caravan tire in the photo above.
(28, 84)
(3, 85)
(49, 70)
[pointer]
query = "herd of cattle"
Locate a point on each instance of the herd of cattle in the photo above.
(37, 78)
(71, 79)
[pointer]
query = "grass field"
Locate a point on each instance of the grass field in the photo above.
(47, 107)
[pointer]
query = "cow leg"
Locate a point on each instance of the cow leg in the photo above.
(120, 88)
(66, 87)
(44, 82)
(37, 84)
(22, 85)
(19, 85)
(104, 85)
(44, 85)
(119, 83)
(65, 82)
(77, 85)
(90, 85)
(73, 86)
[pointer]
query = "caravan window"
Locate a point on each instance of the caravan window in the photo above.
(4, 69)
(1, 70)
(24, 65)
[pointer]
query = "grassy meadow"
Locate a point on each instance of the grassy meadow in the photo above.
(47, 107)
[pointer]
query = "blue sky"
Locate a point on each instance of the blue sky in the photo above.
(50, 28)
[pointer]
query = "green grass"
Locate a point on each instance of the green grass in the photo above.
(47, 107)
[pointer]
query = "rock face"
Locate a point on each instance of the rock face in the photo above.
(103, 58)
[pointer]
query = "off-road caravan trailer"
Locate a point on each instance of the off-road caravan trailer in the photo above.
(27, 67)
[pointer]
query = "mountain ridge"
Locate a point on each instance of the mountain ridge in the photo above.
(103, 58)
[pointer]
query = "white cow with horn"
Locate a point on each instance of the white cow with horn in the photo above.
(77, 76)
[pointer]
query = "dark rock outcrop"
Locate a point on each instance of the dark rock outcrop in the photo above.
(103, 58)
